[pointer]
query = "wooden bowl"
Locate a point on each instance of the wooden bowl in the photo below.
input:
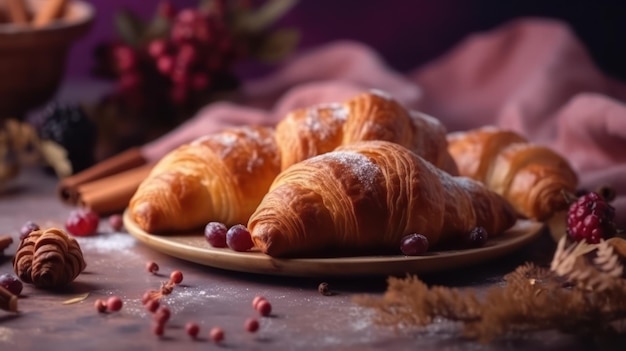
(32, 60)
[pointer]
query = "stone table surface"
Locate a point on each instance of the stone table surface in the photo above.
(302, 318)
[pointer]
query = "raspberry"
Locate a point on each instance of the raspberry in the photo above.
(590, 218)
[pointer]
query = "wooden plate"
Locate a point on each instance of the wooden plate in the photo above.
(193, 247)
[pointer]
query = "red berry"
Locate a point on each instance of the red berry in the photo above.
(264, 308)
(152, 305)
(590, 218)
(215, 234)
(100, 305)
(114, 303)
(116, 222)
(162, 315)
(192, 329)
(216, 334)
(82, 222)
(477, 237)
(152, 267)
(251, 325)
(414, 244)
(157, 48)
(238, 238)
(165, 64)
(125, 58)
(27, 228)
(158, 329)
(11, 283)
(176, 277)
(256, 300)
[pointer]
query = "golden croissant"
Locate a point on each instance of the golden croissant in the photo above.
(533, 178)
(364, 197)
(220, 177)
(308, 132)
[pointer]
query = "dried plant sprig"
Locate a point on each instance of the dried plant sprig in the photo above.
(582, 292)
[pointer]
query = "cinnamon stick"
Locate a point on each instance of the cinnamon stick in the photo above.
(8, 301)
(67, 189)
(112, 194)
(5, 241)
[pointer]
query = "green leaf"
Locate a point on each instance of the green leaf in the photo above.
(129, 27)
(276, 45)
(265, 16)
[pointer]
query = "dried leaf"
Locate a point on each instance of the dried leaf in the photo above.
(56, 156)
(276, 45)
(76, 299)
(266, 15)
(129, 27)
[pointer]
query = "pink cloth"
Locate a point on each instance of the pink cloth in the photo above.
(531, 75)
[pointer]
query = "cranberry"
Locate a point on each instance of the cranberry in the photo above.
(215, 234)
(264, 308)
(152, 267)
(238, 238)
(192, 329)
(27, 228)
(256, 300)
(165, 64)
(176, 277)
(158, 329)
(152, 305)
(251, 325)
(414, 244)
(216, 334)
(11, 283)
(114, 303)
(100, 305)
(477, 237)
(116, 222)
(162, 315)
(82, 222)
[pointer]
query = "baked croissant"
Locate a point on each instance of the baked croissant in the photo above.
(308, 132)
(530, 176)
(364, 197)
(220, 177)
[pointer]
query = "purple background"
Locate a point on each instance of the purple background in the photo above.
(407, 33)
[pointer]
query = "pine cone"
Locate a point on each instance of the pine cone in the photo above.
(48, 258)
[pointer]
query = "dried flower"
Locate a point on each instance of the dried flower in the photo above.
(582, 292)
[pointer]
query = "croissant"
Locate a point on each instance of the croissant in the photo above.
(364, 197)
(220, 177)
(530, 176)
(308, 132)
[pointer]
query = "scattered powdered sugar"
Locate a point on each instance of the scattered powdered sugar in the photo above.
(361, 166)
(107, 243)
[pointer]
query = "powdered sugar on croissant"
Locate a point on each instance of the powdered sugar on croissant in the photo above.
(312, 131)
(219, 177)
(364, 197)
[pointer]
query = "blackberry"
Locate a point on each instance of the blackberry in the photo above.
(590, 218)
(70, 127)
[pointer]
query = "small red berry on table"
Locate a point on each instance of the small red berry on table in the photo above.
(176, 277)
(216, 334)
(264, 307)
(251, 325)
(192, 329)
(114, 303)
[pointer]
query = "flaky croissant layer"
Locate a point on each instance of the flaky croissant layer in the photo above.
(221, 177)
(533, 178)
(373, 115)
(364, 197)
